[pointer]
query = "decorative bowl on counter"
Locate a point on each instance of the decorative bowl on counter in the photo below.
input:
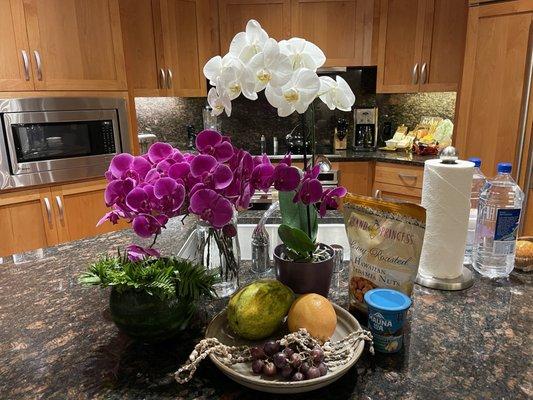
(242, 372)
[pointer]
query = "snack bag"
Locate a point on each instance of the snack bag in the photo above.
(385, 243)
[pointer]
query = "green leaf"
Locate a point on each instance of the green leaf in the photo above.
(296, 240)
(295, 214)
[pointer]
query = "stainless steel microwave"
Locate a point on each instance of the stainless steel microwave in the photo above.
(59, 139)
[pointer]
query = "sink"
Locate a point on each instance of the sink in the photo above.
(327, 233)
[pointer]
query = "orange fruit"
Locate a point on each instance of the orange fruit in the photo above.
(314, 313)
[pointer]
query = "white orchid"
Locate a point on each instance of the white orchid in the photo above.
(270, 67)
(285, 70)
(219, 102)
(247, 44)
(336, 93)
(296, 94)
(303, 54)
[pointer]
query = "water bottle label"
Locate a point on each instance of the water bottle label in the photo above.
(506, 230)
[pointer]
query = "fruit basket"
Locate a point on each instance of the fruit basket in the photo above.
(242, 372)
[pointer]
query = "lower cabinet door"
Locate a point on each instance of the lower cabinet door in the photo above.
(356, 176)
(26, 221)
(78, 208)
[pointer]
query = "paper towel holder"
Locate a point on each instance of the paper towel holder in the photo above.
(463, 281)
(449, 155)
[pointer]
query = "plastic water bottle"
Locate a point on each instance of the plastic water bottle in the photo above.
(478, 182)
(500, 205)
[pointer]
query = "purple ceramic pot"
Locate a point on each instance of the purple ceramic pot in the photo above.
(305, 277)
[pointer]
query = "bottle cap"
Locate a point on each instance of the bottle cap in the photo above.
(476, 161)
(505, 167)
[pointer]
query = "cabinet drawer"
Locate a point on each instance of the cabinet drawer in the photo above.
(401, 175)
(397, 193)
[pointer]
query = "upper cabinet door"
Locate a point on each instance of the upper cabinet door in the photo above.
(493, 82)
(444, 44)
(273, 15)
(143, 46)
(76, 44)
(180, 33)
(401, 31)
(341, 28)
(15, 68)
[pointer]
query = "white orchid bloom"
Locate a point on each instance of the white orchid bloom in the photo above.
(303, 54)
(247, 44)
(230, 74)
(219, 102)
(296, 94)
(270, 67)
(336, 93)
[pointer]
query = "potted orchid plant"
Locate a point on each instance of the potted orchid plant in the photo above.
(287, 73)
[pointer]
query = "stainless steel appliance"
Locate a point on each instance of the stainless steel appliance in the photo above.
(365, 129)
(59, 139)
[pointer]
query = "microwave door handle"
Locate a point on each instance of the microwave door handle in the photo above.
(59, 203)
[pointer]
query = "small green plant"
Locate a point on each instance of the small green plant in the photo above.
(165, 278)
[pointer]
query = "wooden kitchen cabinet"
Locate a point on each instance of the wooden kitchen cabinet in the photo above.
(356, 176)
(78, 207)
(15, 70)
(396, 182)
(343, 29)
(421, 45)
(27, 221)
(75, 44)
(273, 15)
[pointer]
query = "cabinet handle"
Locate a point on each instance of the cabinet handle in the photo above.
(26, 63)
(407, 176)
(60, 207)
(162, 78)
(39, 66)
(48, 209)
(169, 81)
(424, 73)
(415, 74)
(377, 194)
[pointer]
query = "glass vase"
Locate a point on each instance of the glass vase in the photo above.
(218, 250)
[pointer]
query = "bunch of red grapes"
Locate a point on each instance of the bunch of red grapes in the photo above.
(271, 359)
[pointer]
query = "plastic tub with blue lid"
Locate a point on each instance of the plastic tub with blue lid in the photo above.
(386, 313)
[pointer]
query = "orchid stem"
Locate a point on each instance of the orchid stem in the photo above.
(153, 242)
(304, 134)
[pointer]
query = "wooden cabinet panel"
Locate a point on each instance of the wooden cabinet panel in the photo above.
(401, 32)
(341, 28)
(78, 207)
(527, 229)
(180, 35)
(402, 175)
(15, 68)
(356, 177)
(76, 44)
(493, 79)
(143, 46)
(443, 51)
(273, 15)
(27, 221)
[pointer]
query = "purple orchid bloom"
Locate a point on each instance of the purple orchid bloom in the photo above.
(211, 207)
(213, 143)
(159, 151)
(116, 192)
(112, 216)
(170, 195)
(146, 225)
(286, 178)
(330, 199)
(125, 165)
(138, 253)
(213, 174)
(262, 174)
(140, 199)
(310, 191)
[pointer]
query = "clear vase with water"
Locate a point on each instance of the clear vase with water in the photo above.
(500, 205)
(218, 250)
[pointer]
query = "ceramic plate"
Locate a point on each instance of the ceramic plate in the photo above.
(242, 373)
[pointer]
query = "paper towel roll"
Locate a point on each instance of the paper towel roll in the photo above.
(446, 197)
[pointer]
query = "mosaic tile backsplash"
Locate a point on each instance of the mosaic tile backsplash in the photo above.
(168, 117)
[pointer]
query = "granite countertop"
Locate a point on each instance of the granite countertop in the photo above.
(399, 157)
(57, 341)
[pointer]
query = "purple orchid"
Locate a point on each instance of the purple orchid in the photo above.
(146, 225)
(213, 174)
(213, 143)
(138, 253)
(286, 178)
(211, 207)
(310, 191)
(330, 199)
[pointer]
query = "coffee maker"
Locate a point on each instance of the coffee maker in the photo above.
(365, 129)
